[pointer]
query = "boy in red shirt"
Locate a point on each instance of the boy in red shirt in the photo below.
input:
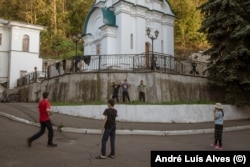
(44, 112)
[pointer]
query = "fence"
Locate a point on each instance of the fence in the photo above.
(30, 78)
(122, 63)
(133, 63)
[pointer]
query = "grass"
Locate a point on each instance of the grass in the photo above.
(59, 127)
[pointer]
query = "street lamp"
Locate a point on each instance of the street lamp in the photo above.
(76, 39)
(45, 68)
(35, 74)
(152, 39)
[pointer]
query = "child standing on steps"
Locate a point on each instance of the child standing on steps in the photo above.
(218, 129)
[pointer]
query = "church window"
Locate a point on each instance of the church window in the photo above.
(0, 39)
(132, 41)
(26, 41)
(162, 45)
(98, 49)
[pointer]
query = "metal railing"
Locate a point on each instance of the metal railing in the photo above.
(30, 78)
(122, 63)
(138, 62)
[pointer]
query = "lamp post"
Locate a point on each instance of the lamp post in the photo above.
(35, 76)
(152, 39)
(76, 39)
(45, 68)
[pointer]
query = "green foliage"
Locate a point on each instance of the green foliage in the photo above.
(227, 26)
(188, 21)
(62, 19)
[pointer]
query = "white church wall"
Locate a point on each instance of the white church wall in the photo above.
(88, 44)
(108, 42)
(112, 47)
(29, 61)
(132, 19)
(163, 32)
(123, 33)
(152, 5)
(13, 60)
(3, 66)
(133, 45)
(138, 18)
(91, 40)
(140, 34)
(118, 34)
(169, 42)
(17, 34)
(4, 48)
(104, 46)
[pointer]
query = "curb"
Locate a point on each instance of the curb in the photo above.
(127, 132)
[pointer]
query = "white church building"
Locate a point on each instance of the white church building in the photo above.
(19, 51)
(119, 27)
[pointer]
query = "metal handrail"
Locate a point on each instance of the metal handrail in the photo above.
(119, 62)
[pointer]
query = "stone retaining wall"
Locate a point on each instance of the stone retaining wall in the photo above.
(96, 86)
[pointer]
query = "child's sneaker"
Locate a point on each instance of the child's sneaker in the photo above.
(219, 147)
(213, 145)
(100, 157)
(111, 156)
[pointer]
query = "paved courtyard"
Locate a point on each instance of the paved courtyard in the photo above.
(75, 150)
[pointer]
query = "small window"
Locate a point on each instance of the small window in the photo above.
(26, 41)
(98, 49)
(0, 39)
(162, 46)
(131, 41)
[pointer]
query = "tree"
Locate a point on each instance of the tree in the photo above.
(62, 19)
(227, 26)
(188, 21)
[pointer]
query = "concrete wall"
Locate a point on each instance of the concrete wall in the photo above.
(157, 113)
(96, 87)
(30, 93)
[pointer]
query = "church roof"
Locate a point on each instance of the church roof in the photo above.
(109, 17)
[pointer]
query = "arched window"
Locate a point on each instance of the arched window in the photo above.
(26, 41)
(132, 41)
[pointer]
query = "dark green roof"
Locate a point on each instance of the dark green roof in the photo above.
(109, 18)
